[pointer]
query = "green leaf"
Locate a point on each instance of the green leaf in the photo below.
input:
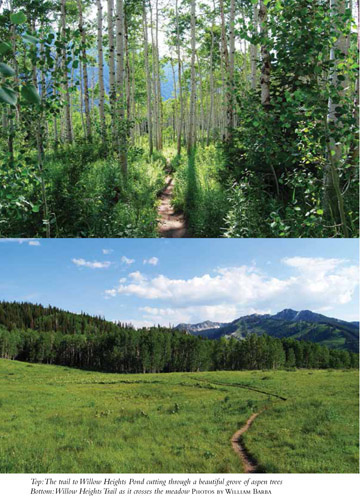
(18, 18)
(30, 39)
(8, 96)
(320, 212)
(36, 208)
(30, 94)
(5, 48)
(6, 70)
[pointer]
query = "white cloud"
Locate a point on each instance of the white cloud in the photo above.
(107, 251)
(223, 313)
(238, 284)
(30, 241)
(91, 264)
(153, 261)
(127, 261)
(227, 293)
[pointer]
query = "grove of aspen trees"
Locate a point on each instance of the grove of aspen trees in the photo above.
(249, 108)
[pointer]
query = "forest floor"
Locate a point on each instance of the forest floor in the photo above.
(172, 224)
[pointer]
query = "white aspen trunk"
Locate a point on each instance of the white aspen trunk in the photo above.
(101, 69)
(132, 94)
(112, 81)
(253, 47)
(175, 99)
(85, 71)
(333, 198)
(158, 83)
(154, 80)
(178, 49)
(82, 100)
(202, 113)
(68, 126)
(232, 65)
(148, 81)
(210, 120)
(122, 133)
(192, 116)
(265, 57)
(226, 65)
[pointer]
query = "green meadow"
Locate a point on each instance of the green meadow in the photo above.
(55, 419)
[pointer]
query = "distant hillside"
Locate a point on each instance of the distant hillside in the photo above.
(298, 325)
(48, 335)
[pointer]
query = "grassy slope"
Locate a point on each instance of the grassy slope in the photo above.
(56, 419)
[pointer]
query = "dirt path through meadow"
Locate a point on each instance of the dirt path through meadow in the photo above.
(249, 463)
(171, 224)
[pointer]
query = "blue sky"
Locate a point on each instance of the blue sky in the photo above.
(168, 281)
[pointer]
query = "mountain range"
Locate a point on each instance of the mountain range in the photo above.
(299, 325)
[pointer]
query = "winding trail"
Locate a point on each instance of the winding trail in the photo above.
(249, 463)
(171, 224)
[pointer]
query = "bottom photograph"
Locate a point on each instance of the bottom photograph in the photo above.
(186, 356)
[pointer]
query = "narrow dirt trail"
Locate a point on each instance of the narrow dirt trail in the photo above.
(171, 224)
(237, 443)
(249, 463)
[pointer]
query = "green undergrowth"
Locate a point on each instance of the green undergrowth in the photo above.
(55, 419)
(199, 193)
(89, 197)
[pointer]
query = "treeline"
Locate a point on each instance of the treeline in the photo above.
(82, 341)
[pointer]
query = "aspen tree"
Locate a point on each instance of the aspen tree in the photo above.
(101, 69)
(148, 81)
(122, 134)
(112, 79)
(178, 49)
(192, 115)
(85, 79)
(253, 47)
(333, 198)
(265, 56)
(68, 125)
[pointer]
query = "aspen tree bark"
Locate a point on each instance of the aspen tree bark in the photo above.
(148, 81)
(333, 198)
(227, 77)
(232, 65)
(210, 119)
(82, 100)
(122, 134)
(112, 81)
(192, 116)
(55, 93)
(85, 79)
(68, 125)
(181, 116)
(101, 69)
(265, 56)
(132, 94)
(158, 83)
(253, 47)
(175, 103)
(39, 132)
(127, 71)
(154, 79)
(202, 113)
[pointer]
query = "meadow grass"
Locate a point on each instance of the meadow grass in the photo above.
(56, 419)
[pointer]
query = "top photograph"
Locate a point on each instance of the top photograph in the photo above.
(179, 119)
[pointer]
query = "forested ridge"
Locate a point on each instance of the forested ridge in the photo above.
(259, 133)
(38, 334)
